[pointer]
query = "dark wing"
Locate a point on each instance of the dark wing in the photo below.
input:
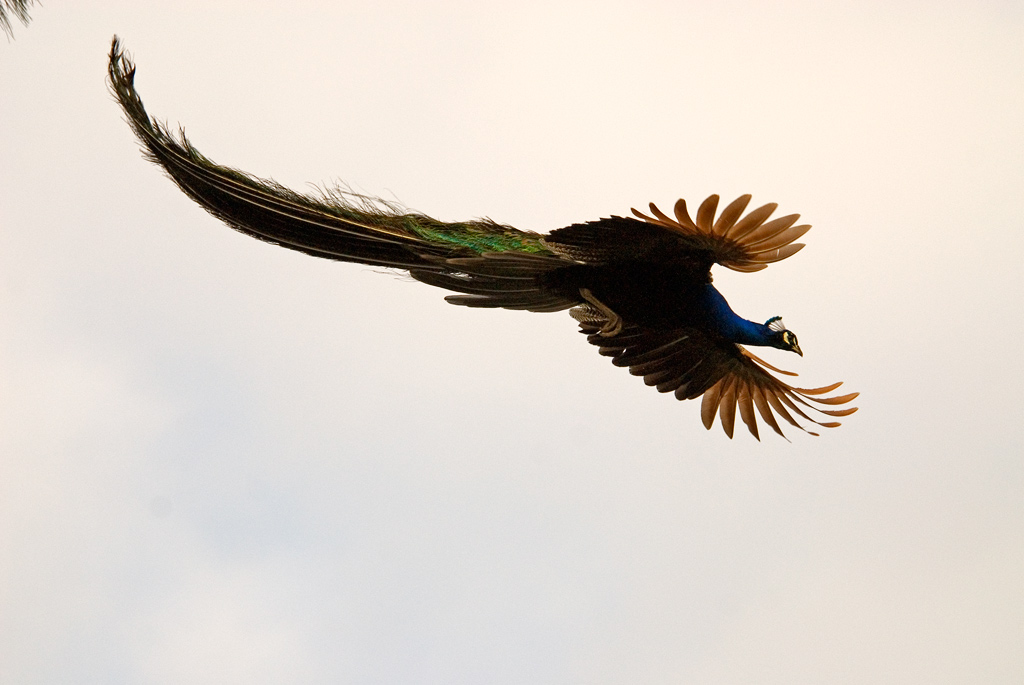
(618, 238)
(689, 363)
(742, 243)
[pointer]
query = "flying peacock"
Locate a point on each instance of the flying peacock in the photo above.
(640, 288)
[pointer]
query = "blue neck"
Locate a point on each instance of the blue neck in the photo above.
(731, 326)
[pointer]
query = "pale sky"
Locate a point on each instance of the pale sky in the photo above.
(224, 462)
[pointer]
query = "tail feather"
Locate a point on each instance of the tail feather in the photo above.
(545, 303)
(338, 225)
(510, 280)
(333, 229)
(494, 265)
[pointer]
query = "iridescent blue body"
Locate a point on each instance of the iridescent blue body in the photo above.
(720, 318)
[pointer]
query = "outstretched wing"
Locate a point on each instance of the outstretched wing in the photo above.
(620, 240)
(742, 243)
(689, 363)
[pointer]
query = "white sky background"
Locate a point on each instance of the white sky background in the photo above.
(224, 462)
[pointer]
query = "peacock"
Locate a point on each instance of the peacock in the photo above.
(639, 287)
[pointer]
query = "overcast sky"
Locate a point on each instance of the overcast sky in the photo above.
(224, 462)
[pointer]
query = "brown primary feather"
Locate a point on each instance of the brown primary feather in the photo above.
(690, 363)
(751, 222)
(706, 214)
(727, 409)
(764, 409)
(729, 215)
(746, 404)
(743, 244)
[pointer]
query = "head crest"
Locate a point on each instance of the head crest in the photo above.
(775, 324)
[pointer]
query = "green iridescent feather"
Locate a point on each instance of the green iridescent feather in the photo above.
(477, 236)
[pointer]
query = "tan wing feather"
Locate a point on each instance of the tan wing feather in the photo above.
(730, 215)
(780, 238)
(776, 369)
(742, 243)
(727, 410)
(706, 214)
(748, 268)
(751, 221)
(745, 400)
(765, 410)
(730, 378)
(682, 216)
(766, 230)
(777, 405)
(709, 404)
(755, 387)
(661, 215)
(776, 255)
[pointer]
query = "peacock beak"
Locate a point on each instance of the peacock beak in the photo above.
(796, 348)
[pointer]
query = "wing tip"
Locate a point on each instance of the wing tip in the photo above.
(758, 243)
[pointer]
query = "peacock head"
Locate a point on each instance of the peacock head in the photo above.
(782, 338)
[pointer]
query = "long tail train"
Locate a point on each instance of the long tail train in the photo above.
(492, 264)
